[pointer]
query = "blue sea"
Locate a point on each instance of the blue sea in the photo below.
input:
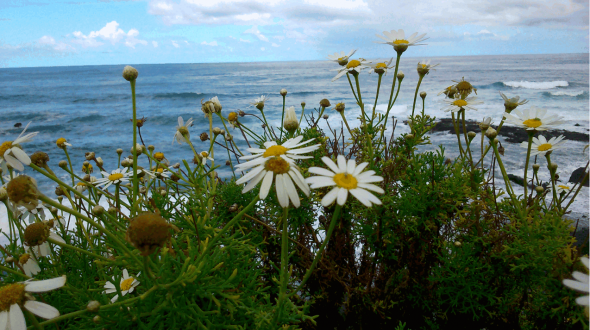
(90, 106)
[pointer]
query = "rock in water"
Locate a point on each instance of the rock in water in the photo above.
(577, 175)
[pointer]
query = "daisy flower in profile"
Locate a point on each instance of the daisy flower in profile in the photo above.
(457, 105)
(277, 163)
(62, 143)
(353, 67)
(205, 156)
(562, 188)
(13, 297)
(449, 91)
(259, 102)
(381, 67)
(511, 103)
(127, 285)
(346, 177)
(13, 155)
(541, 146)
(341, 58)
(533, 119)
(399, 41)
(580, 283)
(424, 67)
(29, 263)
(182, 134)
(115, 177)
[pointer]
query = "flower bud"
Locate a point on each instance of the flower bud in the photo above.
(99, 161)
(22, 190)
(10, 260)
(3, 194)
(151, 148)
(423, 95)
(130, 73)
(536, 167)
(222, 132)
(290, 123)
(325, 103)
(233, 208)
(227, 163)
(137, 147)
(400, 75)
(126, 162)
(204, 136)
(112, 210)
(325, 117)
(457, 243)
(119, 151)
(39, 158)
(176, 166)
(96, 319)
(409, 136)
(303, 104)
(93, 306)
(553, 167)
(89, 155)
(471, 135)
(539, 189)
(241, 113)
(283, 92)
(228, 137)
(62, 163)
(98, 210)
(147, 232)
(340, 107)
(491, 133)
(216, 130)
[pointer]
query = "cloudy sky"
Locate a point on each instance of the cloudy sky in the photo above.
(59, 32)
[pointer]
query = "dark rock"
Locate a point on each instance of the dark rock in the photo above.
(520, 181)
(508, 133)
(578, 175)
(17, 125)
(577, 124)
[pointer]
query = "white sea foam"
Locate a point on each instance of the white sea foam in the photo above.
(536, 84)
(562, 93)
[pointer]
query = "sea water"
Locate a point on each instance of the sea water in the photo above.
(91, 107)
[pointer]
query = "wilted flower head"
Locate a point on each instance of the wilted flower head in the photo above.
(147, 232)
(511, 103)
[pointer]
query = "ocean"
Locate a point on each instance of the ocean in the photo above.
(90, 106)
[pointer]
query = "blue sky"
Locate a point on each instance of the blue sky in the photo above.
(56, 32)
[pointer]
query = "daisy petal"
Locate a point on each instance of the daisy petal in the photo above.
(16, 318)
(342, 196)
(41, 309)
(45, 285)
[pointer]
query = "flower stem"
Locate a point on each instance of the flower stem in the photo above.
(133, 209)
(282, 117)
(526, 168)
(284, 263)
(416, 93)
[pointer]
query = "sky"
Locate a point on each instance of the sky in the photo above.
(37, 33)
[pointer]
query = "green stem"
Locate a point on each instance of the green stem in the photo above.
(284, 262)
(457, 133)
(526, 168)
(70, 163)
(416, 93)
(318, 255)
(67, 246)
(506, 179)
(346, 123)
(282, 117)
(376, 96)
(14, 272)
(389, 103)
(135, 194)
(352, 88)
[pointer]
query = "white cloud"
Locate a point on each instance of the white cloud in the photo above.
(186, 42)
(212, 43)
(244, 40)
(262, 48)
(254, 30)
(175, 44)
(484, 32)
(111, 33)
(155, 43)
(275, 45)
(50, 41)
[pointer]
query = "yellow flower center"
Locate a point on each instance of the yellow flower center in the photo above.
(115, 177)
(380, 65)
(424, 66)
(401, 41)
(160, 170)
(464, 86)
(277, 165)
(544, 147)
(205, 154)
(80, 184)
(534, 123)
(24, 258)
(275, 151)
(232, 116)
(10, 295)
(60, 142)
(353, 64)
(460, 103)
(5, 146)
(345, 180)
(564, 187)
(159, 156)
(126, 284)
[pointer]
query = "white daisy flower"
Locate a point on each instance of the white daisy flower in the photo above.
(449, 91)
(512, 103)
(398, 39)
(424, 67)
(13, 298)
(347, 177)
(290, 150)
(13, 155)
(259, 102)
(580, 284)
(42, 250)
(127, 285)
(29, 263)
(205, 156)
(182, 134)
(160, 173)
(457, 105)
(562, 188)
(533, 119)
(354, 66)
(116, 176)
(541, 146)
(381, 67)
(341, 58)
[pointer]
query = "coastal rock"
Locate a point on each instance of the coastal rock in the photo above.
(508, 133)
(578, 175)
